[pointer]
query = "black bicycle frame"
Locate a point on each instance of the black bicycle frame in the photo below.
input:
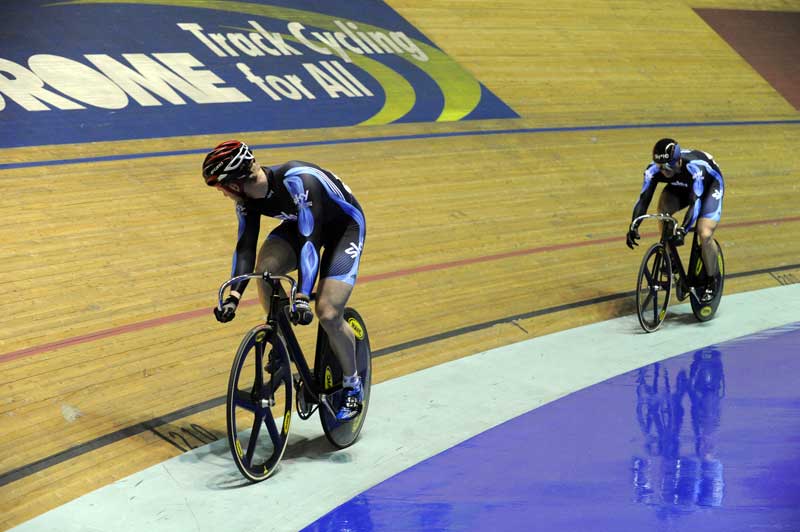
(278, 320)
(688, 278)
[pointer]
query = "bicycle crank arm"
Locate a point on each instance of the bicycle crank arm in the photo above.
(324, 400)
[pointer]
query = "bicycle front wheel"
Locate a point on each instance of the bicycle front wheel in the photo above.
(653, 287)
(342, 434)
(259, 387)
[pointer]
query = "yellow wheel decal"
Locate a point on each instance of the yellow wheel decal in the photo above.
(286, 421)
(357, 328)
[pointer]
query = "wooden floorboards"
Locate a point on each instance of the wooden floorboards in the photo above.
(109, 269)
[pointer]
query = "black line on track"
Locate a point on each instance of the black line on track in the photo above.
(108, 439)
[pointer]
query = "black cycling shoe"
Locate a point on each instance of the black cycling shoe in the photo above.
(711, 290)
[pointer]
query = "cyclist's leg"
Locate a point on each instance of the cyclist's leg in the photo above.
(278, 255)
(332, 296)
(338, 271)
(705, 234)
(672, 199)
(710, 214)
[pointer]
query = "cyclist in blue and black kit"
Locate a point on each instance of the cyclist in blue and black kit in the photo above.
(692, 180)
(317, 211)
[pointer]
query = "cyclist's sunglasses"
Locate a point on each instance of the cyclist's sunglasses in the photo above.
(235, 186)
(672, 167)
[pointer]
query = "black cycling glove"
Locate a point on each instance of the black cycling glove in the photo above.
(228, 310)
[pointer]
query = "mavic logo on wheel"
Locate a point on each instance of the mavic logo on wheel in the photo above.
(717, 194)
(358, 330)
(353, 250)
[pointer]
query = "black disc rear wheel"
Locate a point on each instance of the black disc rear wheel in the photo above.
(705, 310)
(329, 374)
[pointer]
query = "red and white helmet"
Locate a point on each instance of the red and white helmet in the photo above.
(230, 160)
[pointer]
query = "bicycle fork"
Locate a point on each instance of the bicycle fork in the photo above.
(275, 370)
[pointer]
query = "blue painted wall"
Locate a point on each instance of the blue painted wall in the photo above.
(91, 70)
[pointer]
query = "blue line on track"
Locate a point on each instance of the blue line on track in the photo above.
(357, 140)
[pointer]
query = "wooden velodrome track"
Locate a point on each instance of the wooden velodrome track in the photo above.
(112, 362)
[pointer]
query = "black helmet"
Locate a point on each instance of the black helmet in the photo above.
(228, 161)
(667, 151)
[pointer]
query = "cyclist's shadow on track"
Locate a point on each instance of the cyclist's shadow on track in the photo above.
(687, 318)
(299, 448)
(677, 317)
(318, 448)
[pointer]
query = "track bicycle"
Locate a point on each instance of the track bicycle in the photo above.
(662, 268)
(261, 383)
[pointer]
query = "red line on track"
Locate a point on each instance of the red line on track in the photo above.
(155, 322)
(138, 326)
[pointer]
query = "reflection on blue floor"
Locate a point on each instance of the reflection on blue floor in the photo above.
(708, 440)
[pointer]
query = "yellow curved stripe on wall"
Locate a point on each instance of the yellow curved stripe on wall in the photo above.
(461, 91)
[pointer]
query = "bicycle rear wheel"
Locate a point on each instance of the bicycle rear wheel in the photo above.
(653, 287)
(260, 386)
(705, 310)
(342, 434)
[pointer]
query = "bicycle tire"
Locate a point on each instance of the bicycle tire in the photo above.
(653, 279)
(706, 310)
(261, 370)
(342, 434)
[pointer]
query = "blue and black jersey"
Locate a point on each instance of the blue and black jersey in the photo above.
(698, 184)
(317, 211)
